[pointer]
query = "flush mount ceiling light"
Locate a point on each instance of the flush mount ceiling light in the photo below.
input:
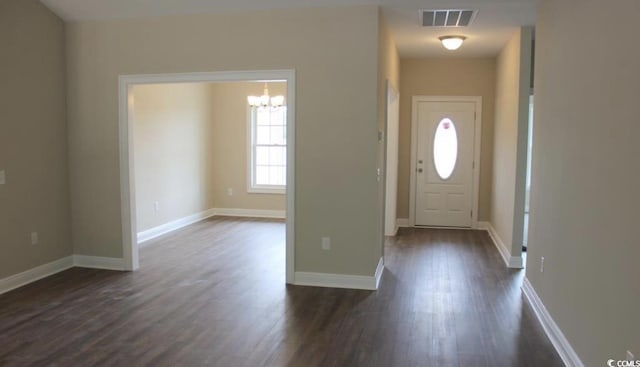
(265, 100)
(452, 42)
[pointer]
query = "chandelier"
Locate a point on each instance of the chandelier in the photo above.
(265, 100)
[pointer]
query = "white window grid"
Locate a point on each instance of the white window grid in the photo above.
(267, 149)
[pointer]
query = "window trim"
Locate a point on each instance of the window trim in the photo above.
(251, 187)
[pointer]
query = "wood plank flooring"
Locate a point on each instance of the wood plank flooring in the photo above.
(213, 294)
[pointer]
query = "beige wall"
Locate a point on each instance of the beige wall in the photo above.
(584, 199)
(446, 77)
(173, 143)
(511, 122)
(230, 146)
(336, 129)
(388, 70)
(33, 137)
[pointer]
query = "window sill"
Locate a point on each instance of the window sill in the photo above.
(264, 190)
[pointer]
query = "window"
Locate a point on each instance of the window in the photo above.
(268, 150)
(445, 148)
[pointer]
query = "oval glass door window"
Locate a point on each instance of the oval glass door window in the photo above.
(445, 148)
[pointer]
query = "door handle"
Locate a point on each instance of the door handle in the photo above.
(419, 170)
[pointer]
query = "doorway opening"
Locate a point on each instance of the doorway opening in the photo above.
(185, 164)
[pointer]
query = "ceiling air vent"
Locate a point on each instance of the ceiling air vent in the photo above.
(447, 18)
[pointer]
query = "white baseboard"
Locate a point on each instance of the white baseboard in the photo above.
(514, 262)
(393, 233)
(97, 262)
(18, 280)
(341, 280)
(379, 271)
(557, 338)
(402, 222)
(154, 232)
(162, 229)
(250, 213)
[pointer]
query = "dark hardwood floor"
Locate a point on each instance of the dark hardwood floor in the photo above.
(214, 294)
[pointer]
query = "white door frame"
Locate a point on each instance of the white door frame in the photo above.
(127, 171)
(476, 152)
(391, 147)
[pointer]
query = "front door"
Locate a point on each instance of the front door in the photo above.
(444, 163)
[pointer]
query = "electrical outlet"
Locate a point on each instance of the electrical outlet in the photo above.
(326, 243)
(630, 356)
(229, 192)
(34, 238)
(542, 264)
(156, 206)
(3, 178)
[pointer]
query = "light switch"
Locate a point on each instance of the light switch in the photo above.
(3, 180)
(326, 243)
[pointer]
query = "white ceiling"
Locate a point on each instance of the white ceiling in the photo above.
(495, 22)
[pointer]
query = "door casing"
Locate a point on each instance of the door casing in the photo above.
(415, 100)
(391, 159)
(127, 172)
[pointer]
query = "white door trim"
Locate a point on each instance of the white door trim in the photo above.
(127, 172)
(476, 152)
(391, 144)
